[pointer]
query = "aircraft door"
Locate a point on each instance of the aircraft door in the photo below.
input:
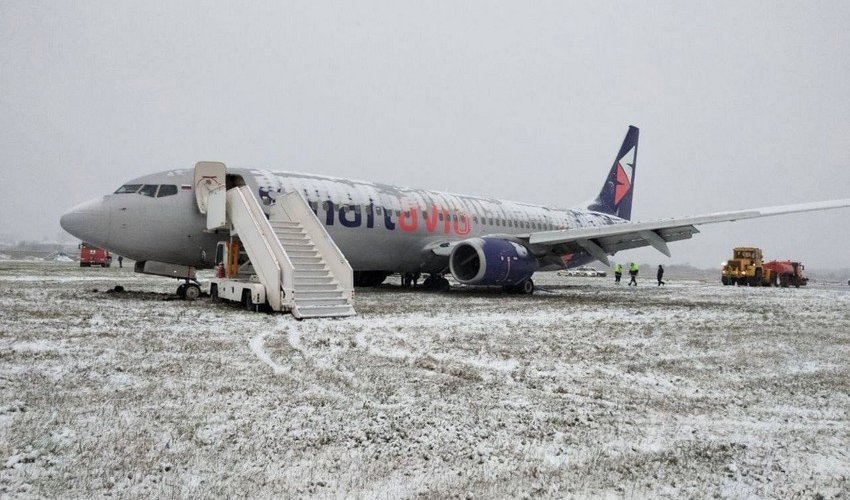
(211, 192)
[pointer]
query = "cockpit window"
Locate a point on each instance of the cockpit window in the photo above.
(128, 188)
(166, 190)
(148, 190)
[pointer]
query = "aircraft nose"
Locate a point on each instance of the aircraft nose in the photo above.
(88, 221)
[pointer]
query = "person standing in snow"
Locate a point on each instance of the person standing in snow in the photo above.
(660, 274)
(618, 273)
(633, 272)
(120, 261)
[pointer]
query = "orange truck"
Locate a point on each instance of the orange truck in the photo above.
(746, 267)
(786, 273)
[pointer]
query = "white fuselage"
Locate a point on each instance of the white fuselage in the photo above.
(377, 226)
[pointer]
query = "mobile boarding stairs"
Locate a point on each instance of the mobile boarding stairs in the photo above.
(292, 255)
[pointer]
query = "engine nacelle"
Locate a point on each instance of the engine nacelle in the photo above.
(491, 261)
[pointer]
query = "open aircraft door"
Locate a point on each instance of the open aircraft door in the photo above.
(211, 192)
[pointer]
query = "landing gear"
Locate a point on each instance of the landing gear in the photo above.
(189, 290)
(192, 292)
(436, 283)
(369, 278)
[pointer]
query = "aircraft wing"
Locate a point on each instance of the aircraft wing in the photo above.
(602, 241)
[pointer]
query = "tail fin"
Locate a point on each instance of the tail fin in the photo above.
(615, 198)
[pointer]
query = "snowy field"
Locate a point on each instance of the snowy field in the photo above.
(584, 389)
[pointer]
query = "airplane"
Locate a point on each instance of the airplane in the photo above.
(383, 229)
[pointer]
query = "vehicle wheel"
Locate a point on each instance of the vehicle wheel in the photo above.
(724, 280)
(181, 290)
(526, 287)
(192, 292)
(214, 293)
(442, 285)
(247, 303)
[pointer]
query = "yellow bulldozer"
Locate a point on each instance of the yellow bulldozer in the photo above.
(744, 268)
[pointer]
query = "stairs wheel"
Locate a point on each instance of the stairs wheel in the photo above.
(247, 303)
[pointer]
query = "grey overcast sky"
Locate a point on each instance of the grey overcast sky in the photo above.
(740, 104)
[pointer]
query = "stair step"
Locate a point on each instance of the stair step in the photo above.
(293, 234)
(312, 273)
(310, 266)
(287, 239)
(304, 259)
(320, 301)
(324, 311)
(319, 294)
(303, 253)
(285, 223)
(299, 245)
(317, 288)
(323, 280)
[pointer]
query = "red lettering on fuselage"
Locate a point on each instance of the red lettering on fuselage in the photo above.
(463, 225)
(408, 221)
(432, 219)
(435, 217)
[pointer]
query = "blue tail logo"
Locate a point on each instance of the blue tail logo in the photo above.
(615, 198)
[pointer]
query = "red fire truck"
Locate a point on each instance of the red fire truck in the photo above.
(94, 256)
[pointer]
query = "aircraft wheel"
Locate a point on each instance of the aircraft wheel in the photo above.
(526, 287)
(192, 292)
(442, 284)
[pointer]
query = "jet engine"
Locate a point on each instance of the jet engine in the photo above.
(491, 261)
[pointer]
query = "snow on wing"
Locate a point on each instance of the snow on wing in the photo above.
(607, 240)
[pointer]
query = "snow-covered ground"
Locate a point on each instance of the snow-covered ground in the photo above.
(584, 389)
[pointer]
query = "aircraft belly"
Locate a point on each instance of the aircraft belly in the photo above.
(371, 250)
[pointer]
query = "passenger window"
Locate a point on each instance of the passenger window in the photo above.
(166, 190)
(128, 188)
(148, 190)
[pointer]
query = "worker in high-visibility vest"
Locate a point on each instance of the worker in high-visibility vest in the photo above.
(633, 272)
(618, 273)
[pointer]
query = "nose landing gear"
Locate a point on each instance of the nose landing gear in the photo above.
(190, 290)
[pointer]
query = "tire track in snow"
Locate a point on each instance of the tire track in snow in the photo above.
(258, 345)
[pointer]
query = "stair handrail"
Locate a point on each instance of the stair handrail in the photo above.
(276, 274)
(297, 209)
